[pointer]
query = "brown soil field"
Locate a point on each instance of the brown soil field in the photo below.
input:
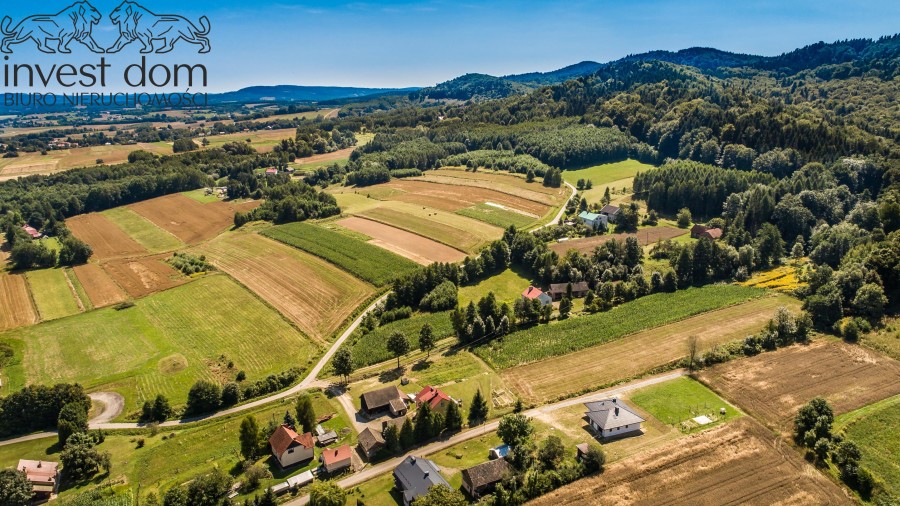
(16, 308)
(315, 295)
(645, 236)
(735, 463)
(772, 386)
(341, 154)
(499, 180)
(100, 288)
(636, 354)
(453, 197)
(143, 276)
(406, 244)
(105, 238)
(189, 220)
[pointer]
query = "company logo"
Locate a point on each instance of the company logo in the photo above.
(53, 33)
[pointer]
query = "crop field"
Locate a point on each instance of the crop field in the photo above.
(371, 348)
(58, 160)
(324, 158)
(507, 287)
(143, 231)
(784, 278)
(368, 262)
(734, 463)
(406, 244)
(772, 386)
(638, 353)
(261, 140)
(104, 237)
(453, 197)
(607, 172)
(504, 182)
(464, 234)
(497, 215)
(53, 295)
(143, 276)
(314, 294)
(189, 220)
(98, 285)
(16, 308)
(574, 334)
(645, 236)
(165, 343)
(876, 434)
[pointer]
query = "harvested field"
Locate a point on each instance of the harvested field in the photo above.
(772, 386)
(314, 294)
(645, 236)
(143, 276)
(735, 463)
(58, 160)
(16, 308)
(189, 220)
(414, 247)
(98, 285)
(453, 196)
(105, 238)
(460, 232)
(341, 154)
(53, 295)
(601, 365)
(148, 235)
(495, 180)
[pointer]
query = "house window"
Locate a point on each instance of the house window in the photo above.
(291, 450)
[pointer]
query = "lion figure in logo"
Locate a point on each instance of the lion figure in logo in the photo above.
(137, 23)
(75, 22)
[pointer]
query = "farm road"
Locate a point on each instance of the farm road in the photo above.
(389, 465)
(562, 209)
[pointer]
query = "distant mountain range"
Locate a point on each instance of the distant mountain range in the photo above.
(290, 93)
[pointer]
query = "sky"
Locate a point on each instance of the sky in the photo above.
(405, 43)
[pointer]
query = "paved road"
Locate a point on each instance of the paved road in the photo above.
(562, 210)
(389, 465)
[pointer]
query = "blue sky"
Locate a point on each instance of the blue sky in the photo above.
(420, 43)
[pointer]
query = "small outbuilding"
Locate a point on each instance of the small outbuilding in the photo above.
(611, 212)
(699, 231)
(384, 400)
(483, 478)
(559, 290)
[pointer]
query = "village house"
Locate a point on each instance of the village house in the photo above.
(559, 290)
(384, 400)
(534, 293)
(336, 459)
(698, 231)
(43, 476)
(33, 232)
(436, 399)
(611, 212)
(271, 172)
(613, 418)
(414, 476)
(593, 220)
(483, 478)
(370, 442)
(291, 448)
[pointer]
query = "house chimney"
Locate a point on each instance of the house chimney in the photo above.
(39, 464)
(617, 411)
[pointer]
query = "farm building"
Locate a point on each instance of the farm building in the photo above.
(384, 400)
(613, 418)
(370, 442)
(581, 451)
(325, 437)
(611, 213)
(43, 476)
(698, 231)
(32, 232)
(534, 293)
(291, 448)
(271, 172)
(414, 476)
(593, 220)
(559, 290)
(482, 479)
(336, 459)
(436, 399)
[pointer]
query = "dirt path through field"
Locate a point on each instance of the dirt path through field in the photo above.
(113, 404)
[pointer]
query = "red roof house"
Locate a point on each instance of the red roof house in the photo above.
(43, 476)
(336, 459)
(532, 293)
(32, 232)
(291, 448)
(436, 400)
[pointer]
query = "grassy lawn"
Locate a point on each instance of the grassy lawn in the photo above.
(371, 348)
(311, 167)
(573, 334)
(165, 343)
(370, 263)
(52, 294)
(678, 401)
(142, 230)
(607, 172)
(201, 196)
(377, 492)
(874, 429)
(507, 287)
(175, 456)
(497, 216)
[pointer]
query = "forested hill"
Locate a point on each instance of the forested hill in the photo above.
(837, 59)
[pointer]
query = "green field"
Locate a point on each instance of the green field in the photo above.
(196, 449)
(460, 232)
(607, 172)
(310, 167)
(573, 334)
(142, 230)
(52, 294)
(507, 287)
(201, 196)
(165, 343)
(496, 216)
(682, 399)
(371, 348)
(369, 263)
(874, 430)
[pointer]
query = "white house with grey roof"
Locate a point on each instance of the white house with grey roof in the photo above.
(613, 418)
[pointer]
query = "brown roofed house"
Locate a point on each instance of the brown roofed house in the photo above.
(559, 290)
(611, 212)
(291, 448)
(698, 231)
(384, 400)
(370, 442)
(482, 478)
(43, 476)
